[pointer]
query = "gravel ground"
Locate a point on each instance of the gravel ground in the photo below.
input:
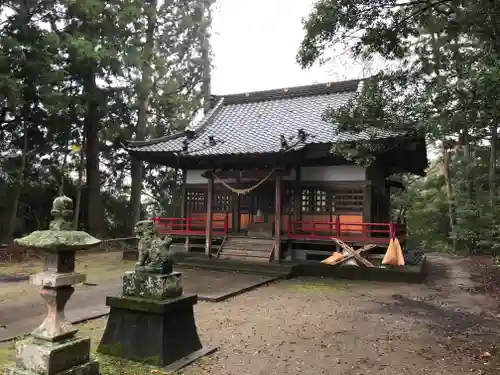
(311, 326)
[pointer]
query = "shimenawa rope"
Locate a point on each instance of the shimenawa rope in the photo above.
(246, 190)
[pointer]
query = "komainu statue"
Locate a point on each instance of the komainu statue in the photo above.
(154, 252)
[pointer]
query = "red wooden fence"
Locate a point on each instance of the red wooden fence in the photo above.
(296, 229)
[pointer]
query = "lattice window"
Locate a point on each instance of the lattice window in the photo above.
(349, 200)
(320, 201)
(196, 201)
(306, 201)
(288, 201)
(223, 203)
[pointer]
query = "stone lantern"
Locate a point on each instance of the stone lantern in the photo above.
(54, 348)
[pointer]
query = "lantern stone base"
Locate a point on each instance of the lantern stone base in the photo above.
(148, 331)
(40, 357)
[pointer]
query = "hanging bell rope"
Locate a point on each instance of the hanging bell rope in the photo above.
(246, 190)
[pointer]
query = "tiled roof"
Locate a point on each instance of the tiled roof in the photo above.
(253, 123)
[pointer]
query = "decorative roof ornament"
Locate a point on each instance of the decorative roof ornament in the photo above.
(189, 133)
(284, 143)
(302, 135)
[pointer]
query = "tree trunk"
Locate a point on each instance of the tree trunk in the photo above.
(205, 21)
(469, 186)
(449, 192)
(63, 174)
(492, 167)
(91, 124)
(16, 196)
(144, 93)
(78, 198)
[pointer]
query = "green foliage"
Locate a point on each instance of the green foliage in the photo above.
(424, 202)
(70, 75)
(443, 83)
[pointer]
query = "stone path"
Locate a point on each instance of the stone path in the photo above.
(21, 317)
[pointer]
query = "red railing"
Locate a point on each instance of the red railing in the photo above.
(377, 233)
(191, 226)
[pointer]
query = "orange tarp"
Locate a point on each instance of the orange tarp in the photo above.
(333, 259)
(394, 254)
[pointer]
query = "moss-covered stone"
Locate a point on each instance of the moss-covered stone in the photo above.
(58, 240)
(154, 251)
(46, 357)
(153, 286)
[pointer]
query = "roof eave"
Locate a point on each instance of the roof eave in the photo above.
(130, 145)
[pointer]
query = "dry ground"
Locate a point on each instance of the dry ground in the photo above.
(97, 266)
(311, 326)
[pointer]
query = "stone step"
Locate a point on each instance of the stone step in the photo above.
(239, 265)
(246, 240)
(260, 248)
(249, 253)
(244, 258)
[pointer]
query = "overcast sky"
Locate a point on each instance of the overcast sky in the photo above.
(255, 45)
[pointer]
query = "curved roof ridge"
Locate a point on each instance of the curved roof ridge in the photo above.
(292, 92)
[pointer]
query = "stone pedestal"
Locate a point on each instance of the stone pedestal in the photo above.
(70, 357)
(148, 331)
(152, 322)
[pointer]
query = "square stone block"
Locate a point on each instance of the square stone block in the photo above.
(89, 368)
(152, 286)
(50, 358)
(63, 261)
(55, 280)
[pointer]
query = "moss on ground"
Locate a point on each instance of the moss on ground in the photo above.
(319, 286)
(7, 352)
(21, 268)
(108, 365)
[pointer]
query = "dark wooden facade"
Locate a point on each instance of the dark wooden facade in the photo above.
(309, 201)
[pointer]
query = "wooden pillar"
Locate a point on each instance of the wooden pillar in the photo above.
(183, 195)
(236, 208)
(297, 196)
(368, 216)
(210, 197)
(297, 208)
(277, 220)
(184, 212)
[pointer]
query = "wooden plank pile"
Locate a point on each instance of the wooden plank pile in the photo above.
(349, 254)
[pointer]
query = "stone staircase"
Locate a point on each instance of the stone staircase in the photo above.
(248, 249)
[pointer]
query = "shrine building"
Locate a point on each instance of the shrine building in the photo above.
(261, 182)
